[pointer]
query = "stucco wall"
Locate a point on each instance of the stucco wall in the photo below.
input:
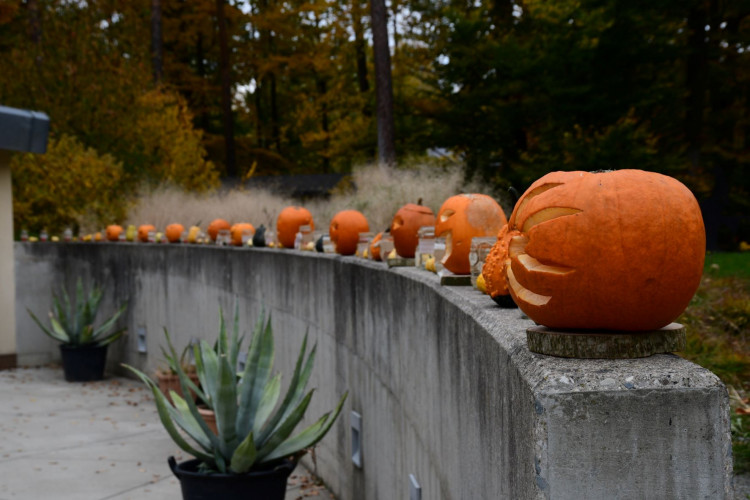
(445, 384)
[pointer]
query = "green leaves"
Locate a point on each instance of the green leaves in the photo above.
(73, 324)
(252, 429)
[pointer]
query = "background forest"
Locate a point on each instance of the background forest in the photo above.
(146, 92)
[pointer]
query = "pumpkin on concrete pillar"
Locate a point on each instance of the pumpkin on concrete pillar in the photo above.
(344, 231)
(216, 226)
(237, 231)
(288, 223)
(405, 226)
(619, 250)
(173, 232)
(143, 231)
(461, 218)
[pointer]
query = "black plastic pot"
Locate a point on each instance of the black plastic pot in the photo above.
(263, 484)
(83, 364)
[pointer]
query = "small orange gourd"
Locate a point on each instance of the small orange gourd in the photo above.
(237, 230)
(174, 232)
(143, 231)
(374, 248)
(113, 232)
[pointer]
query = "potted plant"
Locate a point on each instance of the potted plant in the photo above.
(254, 450)
(83, 346)
(167, 378)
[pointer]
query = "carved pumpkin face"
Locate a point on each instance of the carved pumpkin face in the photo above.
(174, 232)
(406, 224)
(216, 226)
(288, 223)
(619, 250)
(143, 231)
(461, 218)
(237, 230)
(344, 231)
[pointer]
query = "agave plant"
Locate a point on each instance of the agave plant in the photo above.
(73, 324)
(253, 429)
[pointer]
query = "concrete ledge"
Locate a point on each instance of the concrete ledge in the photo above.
(447, 389)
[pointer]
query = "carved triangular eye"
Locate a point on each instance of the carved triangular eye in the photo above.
(446, 214)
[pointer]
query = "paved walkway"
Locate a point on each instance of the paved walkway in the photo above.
(94, 441)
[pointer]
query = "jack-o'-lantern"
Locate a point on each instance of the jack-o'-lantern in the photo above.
(620, 250)
(216, 226)
(113, 232)
(237, 231)
(461, 218)
(344, 231)
(143, 231)
(174, 232)
(288, 223)
(406, 224)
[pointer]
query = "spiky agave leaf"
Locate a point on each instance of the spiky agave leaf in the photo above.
(258, 367)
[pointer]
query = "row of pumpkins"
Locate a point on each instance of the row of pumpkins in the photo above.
(618, 250)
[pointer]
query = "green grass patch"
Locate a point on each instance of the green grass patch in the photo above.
(717, 323)
(727, 264)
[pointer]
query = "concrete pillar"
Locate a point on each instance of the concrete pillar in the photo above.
(7, 280)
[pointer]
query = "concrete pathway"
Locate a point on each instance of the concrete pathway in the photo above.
(91, 441)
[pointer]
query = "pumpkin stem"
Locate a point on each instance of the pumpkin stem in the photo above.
(419, 202)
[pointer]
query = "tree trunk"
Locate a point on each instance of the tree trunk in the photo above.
(226, 90)
(359, 47)
(696, 83)
(203, 118)
(275, 129)
(157, 44)
(383, 84)
(323, 90)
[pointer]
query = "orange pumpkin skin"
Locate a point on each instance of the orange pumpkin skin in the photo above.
(618, 250)
(216, 226)
(143, 231)
(288, 223)
(113, 232)
(405, 226)
(344, 231)
(461, 218)
(375, 249)
(238, 229)
(173, 232)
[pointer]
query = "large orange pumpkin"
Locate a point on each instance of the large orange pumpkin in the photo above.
(143, 231)
(288, 223)
(461, 218)
(344, 231)
(238, 229)
(174, 232)
(216, 226)
(618, 250)
(113, 232)
(406, 224)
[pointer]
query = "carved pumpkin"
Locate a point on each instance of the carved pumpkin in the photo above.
(375, 249)
(288, 223)
(113, 232)
(174, 232)
(619, 250)
(143, 231)
(344, 231)
(238, 229)
(461, 218)
(216, 226)
(406, 224)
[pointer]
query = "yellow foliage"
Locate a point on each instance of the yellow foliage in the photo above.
(164, 129)
(70, 185)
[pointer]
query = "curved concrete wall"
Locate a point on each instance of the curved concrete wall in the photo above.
(446, 387)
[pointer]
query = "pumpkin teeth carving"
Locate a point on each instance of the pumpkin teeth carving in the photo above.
(524, 294)
(547, 214)
(448, 246)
